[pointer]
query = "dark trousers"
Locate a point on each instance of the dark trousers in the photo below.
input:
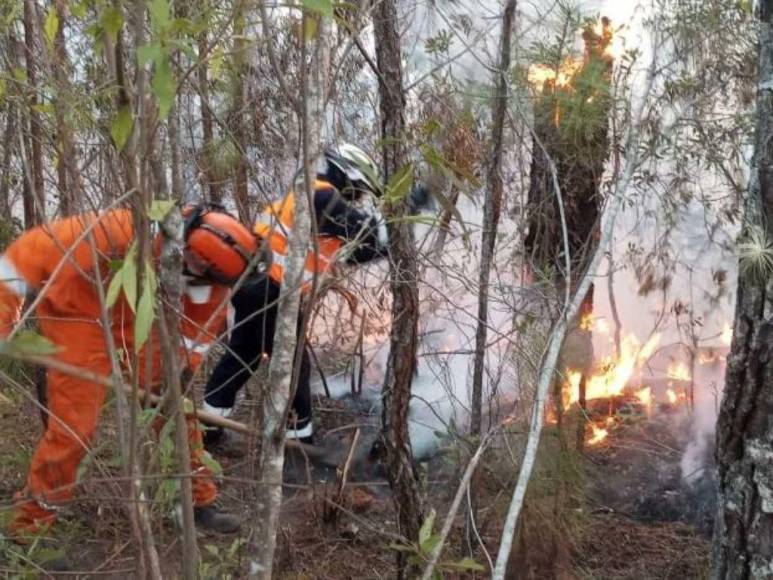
(255, 309)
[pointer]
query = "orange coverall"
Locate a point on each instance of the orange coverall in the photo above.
(69, 316)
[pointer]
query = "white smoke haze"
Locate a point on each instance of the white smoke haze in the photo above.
(449, 289)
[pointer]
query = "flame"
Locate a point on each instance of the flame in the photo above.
(616, 44)
(678, 372)
(539, 74)
(598, 435)
(645, 396)
(586, 322)
(727, 334)
(613, 374)
(705, 358)
(602, 326)
(672, 397)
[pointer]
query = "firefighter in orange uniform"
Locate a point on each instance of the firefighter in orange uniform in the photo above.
(350, 229)
(57, 260)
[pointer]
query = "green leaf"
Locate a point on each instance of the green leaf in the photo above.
(27, 342)
(114, 289)
(159, 208)
(211, 464)
(149, 53)
(159, 13)
(402, 547)
(310, 26)
(212, 549)
(129, 280)
(465, 564)
(122, 126)
(400, 184)
(51, 25)
(426, 528)
(323, 7)
(164, 86)
(112, 22)
(430, 543)
(143, 321)
(80, 9)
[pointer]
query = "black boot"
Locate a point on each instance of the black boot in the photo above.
(227, 444)
(212, 436)
(210, 518)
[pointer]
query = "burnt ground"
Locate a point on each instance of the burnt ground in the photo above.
(644, 520)
(639, 520)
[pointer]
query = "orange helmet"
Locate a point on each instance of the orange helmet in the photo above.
(217, 247)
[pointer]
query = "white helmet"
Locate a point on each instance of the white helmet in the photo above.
(358, 167)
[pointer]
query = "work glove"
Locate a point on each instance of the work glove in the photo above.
(420, 198)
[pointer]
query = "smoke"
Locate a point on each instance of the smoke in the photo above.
(699, 451)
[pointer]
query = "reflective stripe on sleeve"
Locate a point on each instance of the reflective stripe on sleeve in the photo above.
(12, 278)
(197, 347)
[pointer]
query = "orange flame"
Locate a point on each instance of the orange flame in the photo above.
(645, 396)
(616, 46)
(708, 357)
(672, 397)
(586, 322)
(613, 375)
(678, 371)
(539, 74)
(598, 435)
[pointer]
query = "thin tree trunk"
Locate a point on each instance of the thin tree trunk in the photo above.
(6, 177)
(491, 210)
(207, 132)
(33, 191)
(744, 528)
(68, 175)
(282, 371)
(171, 286)
(238, 114)
(401, 365)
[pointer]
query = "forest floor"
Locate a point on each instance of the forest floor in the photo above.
(637, 519)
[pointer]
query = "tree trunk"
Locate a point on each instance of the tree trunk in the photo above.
(743, 534)
(171, 285)
(238, 113)
(68, 175)
(401, 364)
(491, 210)
(282, 371)
(207, 146)
(34, 196)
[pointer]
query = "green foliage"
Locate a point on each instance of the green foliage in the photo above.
(321, 7)
(143, 321)
(26, 343)
(51, 25)
(755, 255)
(159, 208)
(440, 43)
(122, 126)
(419, 553)
(221, 563)
(25, 562)
(399, 185)
(125, 278)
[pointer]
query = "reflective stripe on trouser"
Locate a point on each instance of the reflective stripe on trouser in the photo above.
(75, 405)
